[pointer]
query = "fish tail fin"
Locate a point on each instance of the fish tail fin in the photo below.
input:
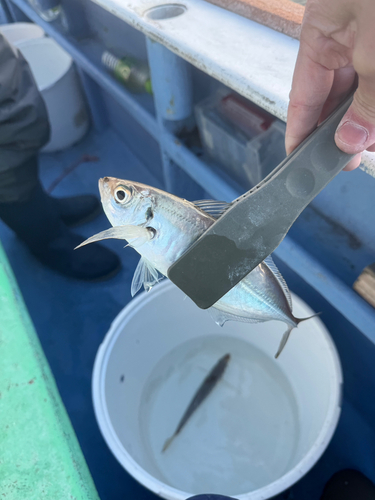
(299, 320)
(286, 335)
(167, 443)
(284, 340)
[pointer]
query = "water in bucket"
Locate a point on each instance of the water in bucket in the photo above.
(240, 438)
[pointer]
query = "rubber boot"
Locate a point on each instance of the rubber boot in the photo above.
(77, 210)
(37, 223)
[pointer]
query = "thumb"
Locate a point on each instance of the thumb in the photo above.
(356, 131)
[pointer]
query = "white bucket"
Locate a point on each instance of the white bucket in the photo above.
(20, 32)
(58, 83)
(264, 425)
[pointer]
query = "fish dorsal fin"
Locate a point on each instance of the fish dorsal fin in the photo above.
(213, 207)
(146, 275)
(272, 266)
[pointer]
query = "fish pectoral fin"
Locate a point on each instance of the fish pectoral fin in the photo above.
(145, 274)
(283, 341)
(135, 235)
(167, 443)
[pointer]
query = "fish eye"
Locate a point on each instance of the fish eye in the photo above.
(122, 194)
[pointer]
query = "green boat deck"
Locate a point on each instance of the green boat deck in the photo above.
(40, 457)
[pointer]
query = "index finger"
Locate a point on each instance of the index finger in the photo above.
(311, 86)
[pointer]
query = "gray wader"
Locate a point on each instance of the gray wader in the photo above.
(24, 126)
(38, 219)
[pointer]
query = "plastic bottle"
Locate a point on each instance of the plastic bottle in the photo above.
(134, 74)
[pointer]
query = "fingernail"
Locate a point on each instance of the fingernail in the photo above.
(352, 134)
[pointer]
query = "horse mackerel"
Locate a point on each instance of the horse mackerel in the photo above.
(161, 227)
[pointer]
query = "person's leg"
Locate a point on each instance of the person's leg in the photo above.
(77, 210)
(24, 206)
(24, 125)
(36, 221)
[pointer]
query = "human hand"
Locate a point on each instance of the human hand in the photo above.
(337, 49)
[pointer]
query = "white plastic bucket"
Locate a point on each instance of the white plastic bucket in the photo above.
(20, 32)
(264, 425)
(58, 83)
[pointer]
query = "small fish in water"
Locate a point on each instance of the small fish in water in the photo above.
(204, 390)
(161, 227)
